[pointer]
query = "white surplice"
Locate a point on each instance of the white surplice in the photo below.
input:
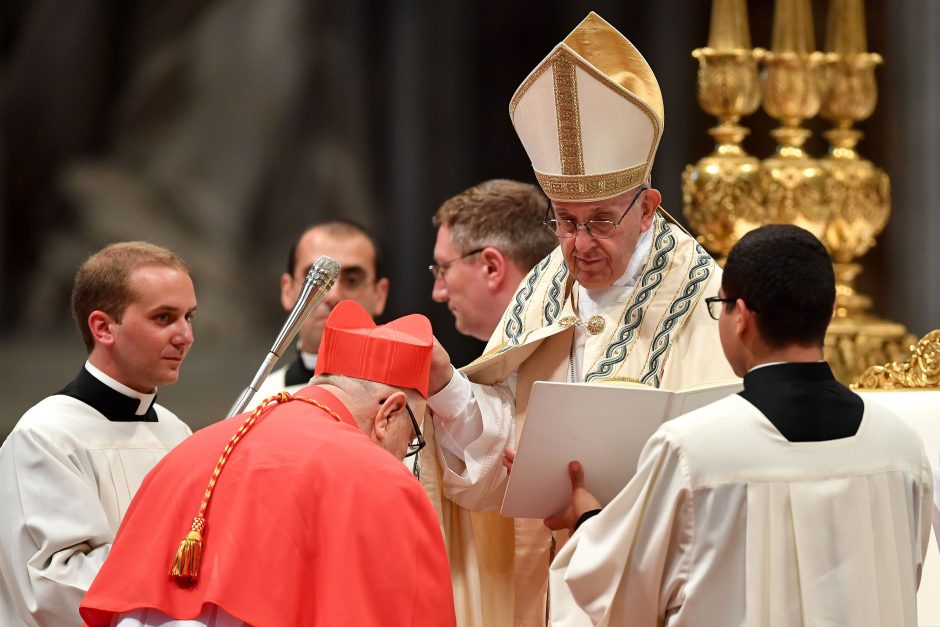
(67, 475)
(728, 524)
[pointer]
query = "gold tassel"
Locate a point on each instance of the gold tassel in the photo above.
(185, 568)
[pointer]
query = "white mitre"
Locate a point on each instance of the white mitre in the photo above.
(590, 115)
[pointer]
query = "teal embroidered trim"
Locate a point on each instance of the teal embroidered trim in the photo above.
(698, 276)
(663, 248)
(514, 327)
(553, 306)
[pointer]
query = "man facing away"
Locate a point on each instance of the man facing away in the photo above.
(488, 237)
(793, 502)
(361, 280)
(73, 462)
(313, 519)
(621, 298)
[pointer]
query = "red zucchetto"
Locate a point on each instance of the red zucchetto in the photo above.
(396, 354)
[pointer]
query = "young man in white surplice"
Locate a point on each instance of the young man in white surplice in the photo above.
(794, 502)
(73, 462)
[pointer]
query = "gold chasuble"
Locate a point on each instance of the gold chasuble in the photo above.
(660, 335)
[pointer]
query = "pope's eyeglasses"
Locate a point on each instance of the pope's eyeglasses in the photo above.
(601, 229)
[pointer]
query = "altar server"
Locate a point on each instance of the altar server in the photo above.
(73, 462)
(794, 502)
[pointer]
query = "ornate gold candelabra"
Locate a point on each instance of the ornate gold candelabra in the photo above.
(842, 198)
(722, 188)
(792, 183)
(856, 194)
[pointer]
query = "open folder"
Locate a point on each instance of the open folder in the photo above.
(604, 426)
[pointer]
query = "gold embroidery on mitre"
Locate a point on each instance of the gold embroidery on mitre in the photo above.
(595, 324)
(591, 186)
(651, 114)
(570, 150)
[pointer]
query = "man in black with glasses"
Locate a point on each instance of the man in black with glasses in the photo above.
(361, 279)
(306, 520)
(793, 502)
(621, 298)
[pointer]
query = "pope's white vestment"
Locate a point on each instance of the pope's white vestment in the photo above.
(651, 326)
(67, 475)
(728, 524)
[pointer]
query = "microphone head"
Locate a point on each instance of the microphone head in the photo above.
(325, 270)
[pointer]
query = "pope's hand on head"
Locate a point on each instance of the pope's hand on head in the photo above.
(581, 501)
(441, 370)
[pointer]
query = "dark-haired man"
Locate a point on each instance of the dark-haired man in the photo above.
(794, 502)
(72, 464)
(488, 237)
(361, 280)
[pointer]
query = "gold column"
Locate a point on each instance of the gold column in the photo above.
(720, 192)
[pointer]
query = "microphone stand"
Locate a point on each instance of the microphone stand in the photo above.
(316, 285)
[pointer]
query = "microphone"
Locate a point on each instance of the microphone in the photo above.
(317, 284)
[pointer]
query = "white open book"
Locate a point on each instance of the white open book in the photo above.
(604, 426)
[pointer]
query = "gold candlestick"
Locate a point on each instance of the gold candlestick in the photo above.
(842, 198)
(857, 192)
(856, 195)
(792, 182)
(720, 192)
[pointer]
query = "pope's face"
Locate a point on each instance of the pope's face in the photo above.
(357, 280)
(597, 263)
(155, 331)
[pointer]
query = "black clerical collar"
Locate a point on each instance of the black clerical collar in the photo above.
(804, 401)
(297, 373)
(114, 405)
(788, 372)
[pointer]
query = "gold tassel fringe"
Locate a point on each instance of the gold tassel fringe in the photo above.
(185, 568)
